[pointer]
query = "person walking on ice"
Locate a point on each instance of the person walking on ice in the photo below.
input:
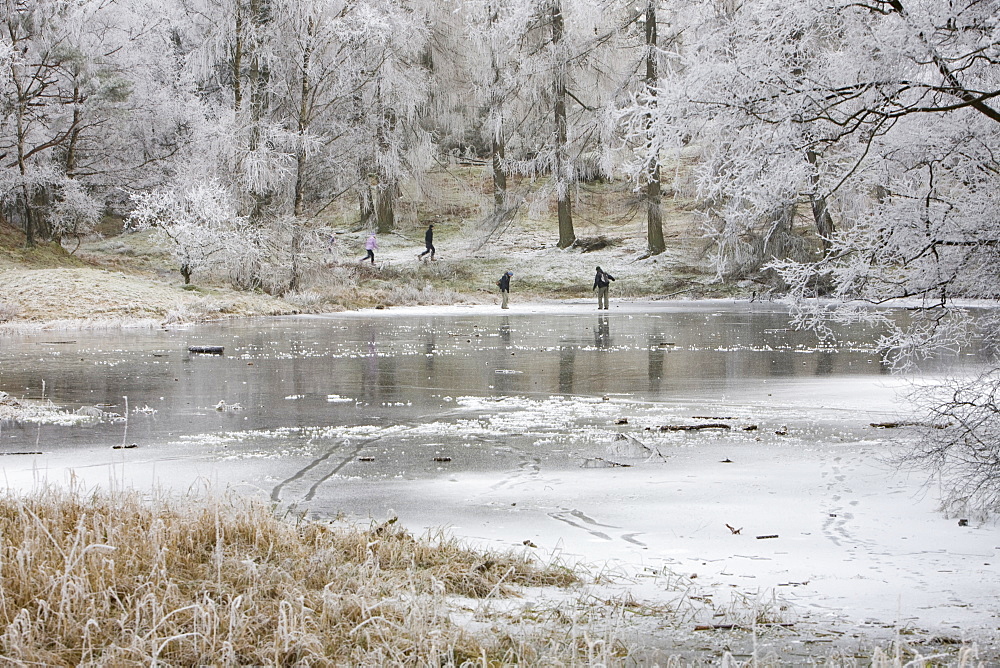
(601, 284)
(370, 246)
(428, 241)
(504, 285)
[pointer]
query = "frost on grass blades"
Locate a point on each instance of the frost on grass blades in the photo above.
(106, 579)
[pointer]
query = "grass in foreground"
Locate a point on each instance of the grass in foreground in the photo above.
(115, 579)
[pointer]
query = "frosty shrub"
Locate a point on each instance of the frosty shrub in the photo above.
(199, 225)
(306, 299)
(8, 311)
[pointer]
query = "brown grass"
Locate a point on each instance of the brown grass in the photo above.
(109, 579)
(123, 278)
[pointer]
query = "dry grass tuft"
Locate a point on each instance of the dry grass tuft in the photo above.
(114, 579)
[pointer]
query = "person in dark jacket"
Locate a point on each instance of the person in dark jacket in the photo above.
(428, 241)
(504, 285)
(602, 281)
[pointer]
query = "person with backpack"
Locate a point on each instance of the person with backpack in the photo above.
(602, 281)
(504, 284)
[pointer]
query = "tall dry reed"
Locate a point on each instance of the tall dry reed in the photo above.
(101, 579)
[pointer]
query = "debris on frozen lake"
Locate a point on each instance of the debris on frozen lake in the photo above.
(741, 627)
(894, 425)
(625, 445)
(693, 427)
(91, 412)
(733, 529)
(601, 463)
(206, 350)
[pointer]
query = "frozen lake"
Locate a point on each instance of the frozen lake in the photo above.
(541, 424)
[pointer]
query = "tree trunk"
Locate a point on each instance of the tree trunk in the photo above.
(776, 242)
(562, 162)
(385, 213)
(820, 211)
(260, 74)
(237, 62)
(293, 280)
(366, 208)
(499, 145)
(654, 212)
(258, 78)
(298, 198)
(20, 113)
(388, 187)
(499, 177)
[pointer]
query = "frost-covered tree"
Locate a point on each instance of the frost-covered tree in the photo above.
(650, 29)
(832, 112)
(201, 226)
(88, 91)
(315, 100)
(751, 173)
(526, 84)
(875, 121)
(34, 121)
(388, 43)
(477, 51)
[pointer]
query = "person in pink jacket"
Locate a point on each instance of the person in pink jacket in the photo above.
(370, 247)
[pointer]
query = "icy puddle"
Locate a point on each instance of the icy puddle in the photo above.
(696, 447)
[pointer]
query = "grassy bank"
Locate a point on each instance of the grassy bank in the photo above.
(116, 579)
(117, 279)
(111, 579)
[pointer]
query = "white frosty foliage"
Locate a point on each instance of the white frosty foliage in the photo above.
(201, 225)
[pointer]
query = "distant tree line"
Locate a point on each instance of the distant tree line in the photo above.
(233, 122)
(856, 116)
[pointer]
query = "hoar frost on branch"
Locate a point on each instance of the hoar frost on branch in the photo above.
(959, 442)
